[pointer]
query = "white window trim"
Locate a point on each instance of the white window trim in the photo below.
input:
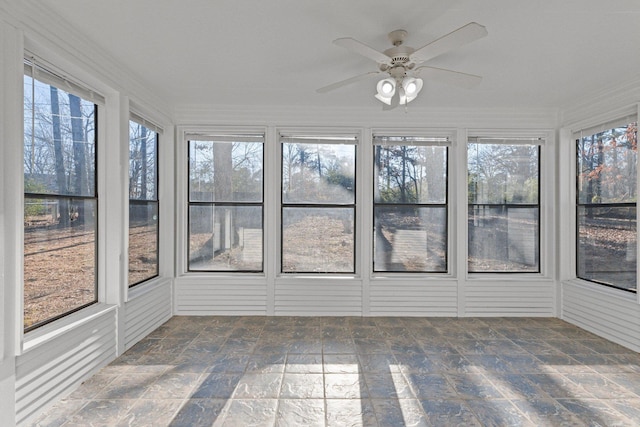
(567, 188)
(143, 287)
(450, 143)
(74, 75)
(182, 199)
(321, 132)
(547, 185)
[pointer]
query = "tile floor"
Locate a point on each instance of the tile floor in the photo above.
(348, 371)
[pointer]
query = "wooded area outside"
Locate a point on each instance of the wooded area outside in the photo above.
(60, 208)
(606, 207)
(504, 212)
(410, 206)
(143, 204)
(225, 203)
(318, 205)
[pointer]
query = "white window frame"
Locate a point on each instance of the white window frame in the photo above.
(442, 140)
(323, 132)
(184, 133)
(83, 84)
(569, 228)
(453, 178)
(150, 125)
(546, 189)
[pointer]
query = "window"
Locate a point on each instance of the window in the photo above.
(318, 204)
(226, 203)
(143, 203)
(60, 198)
(410, 204)
(504, 205)
(607, 161)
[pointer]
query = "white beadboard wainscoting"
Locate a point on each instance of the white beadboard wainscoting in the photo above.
(359, 297)
(52, 369)
(611, 314)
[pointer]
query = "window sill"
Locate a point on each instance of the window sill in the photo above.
(54, 330)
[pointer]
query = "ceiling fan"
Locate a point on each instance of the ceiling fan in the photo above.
(400, 64)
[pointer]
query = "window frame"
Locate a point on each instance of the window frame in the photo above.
(44, 72)
(576, 137)
(209, 137)
(325, 135)
(419, 140)
(544, 194)
(139, 120)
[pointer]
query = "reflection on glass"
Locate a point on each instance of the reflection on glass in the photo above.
(503, 173)
(317, 240)
(225, 171)
(503, 239)
(607, 238)
(318, 173)
(410, 239)
(59, 257)
(143, 241)
(225, 238)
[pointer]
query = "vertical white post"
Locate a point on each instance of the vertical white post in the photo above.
(458, 217)
(11, 207)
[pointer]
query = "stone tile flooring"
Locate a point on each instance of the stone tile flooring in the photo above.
(349, 371)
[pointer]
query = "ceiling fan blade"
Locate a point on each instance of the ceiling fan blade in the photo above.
(451, 77)
(362, 49)
(395, 100)
(463, 35)
(345, 82)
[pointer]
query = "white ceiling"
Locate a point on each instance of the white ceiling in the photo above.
(539, 53)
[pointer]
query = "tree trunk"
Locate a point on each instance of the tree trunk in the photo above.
(222, 170)
(143, 162)
(59, 157)
(79, 155)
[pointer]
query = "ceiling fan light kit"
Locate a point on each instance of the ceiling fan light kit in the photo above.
(402, 84)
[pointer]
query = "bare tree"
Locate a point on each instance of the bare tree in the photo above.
(59, 157)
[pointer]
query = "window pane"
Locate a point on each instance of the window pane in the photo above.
(503, 174)
(143, 241)
(225, 238)
(411, 174)
(59, 141)
(142, 162)
(318, 173)
(143, 203)
(607, 239)
(318, 240)
(607, 164)
(503, 239)
(222, 171)
(59, 257)
(411, 239)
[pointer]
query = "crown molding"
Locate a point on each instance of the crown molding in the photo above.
(597, 103)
